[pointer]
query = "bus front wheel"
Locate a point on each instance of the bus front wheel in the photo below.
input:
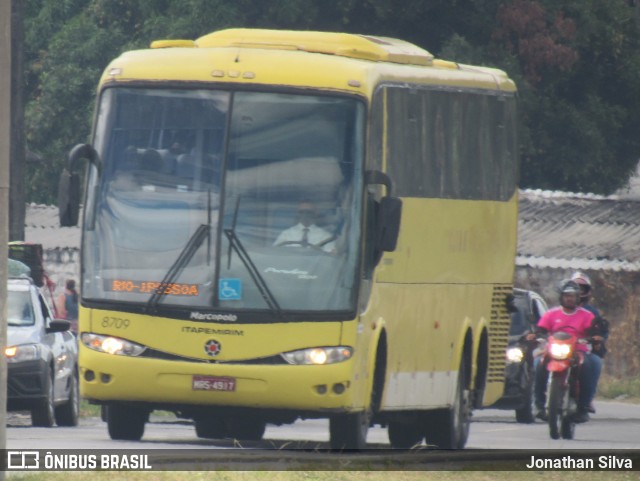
(349, 431)
(126, 422)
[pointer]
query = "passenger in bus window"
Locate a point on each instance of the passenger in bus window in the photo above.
(305, 233)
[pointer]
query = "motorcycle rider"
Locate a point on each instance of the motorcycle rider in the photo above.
(600, 328)
(569, 316)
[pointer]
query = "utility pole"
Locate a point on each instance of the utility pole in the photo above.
(5, 153)
(17, 162)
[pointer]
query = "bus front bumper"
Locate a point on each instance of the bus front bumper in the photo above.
(106, 378)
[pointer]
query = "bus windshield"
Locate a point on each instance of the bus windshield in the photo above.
(225, 200)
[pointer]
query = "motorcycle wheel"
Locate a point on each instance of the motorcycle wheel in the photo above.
(568, 428)
(557, 393)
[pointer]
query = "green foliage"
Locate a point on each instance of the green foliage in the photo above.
(576, 63)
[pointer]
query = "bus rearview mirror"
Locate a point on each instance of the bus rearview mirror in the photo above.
(389, 215)
(69, 199)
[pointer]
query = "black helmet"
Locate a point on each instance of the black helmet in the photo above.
(570, 287)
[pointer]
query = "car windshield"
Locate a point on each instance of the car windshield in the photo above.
(225, 200)
(19, 308)
(519, 318)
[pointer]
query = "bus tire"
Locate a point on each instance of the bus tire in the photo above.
(246, 428)
(210, 427)
(349, 431)
(126, 422)
(403, 435)
(449, 428)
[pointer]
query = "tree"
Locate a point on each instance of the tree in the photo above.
(576, 63)
(579, 99)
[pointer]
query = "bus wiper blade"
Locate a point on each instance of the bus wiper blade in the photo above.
(183, 259)
(265, 292)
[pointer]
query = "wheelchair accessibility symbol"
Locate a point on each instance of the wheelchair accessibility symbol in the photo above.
(230, 289)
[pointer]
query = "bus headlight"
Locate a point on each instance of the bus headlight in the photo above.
(27, 352)
(318, 355)
(111, 345)
(514, 354)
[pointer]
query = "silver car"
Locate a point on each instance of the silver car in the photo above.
(42, 359)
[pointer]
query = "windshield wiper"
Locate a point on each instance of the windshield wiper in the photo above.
(236, 245)
(187, 253)
(183, 259)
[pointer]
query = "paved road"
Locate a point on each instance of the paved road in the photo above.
(615, 426)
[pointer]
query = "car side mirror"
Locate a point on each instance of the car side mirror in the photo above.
(58, 325)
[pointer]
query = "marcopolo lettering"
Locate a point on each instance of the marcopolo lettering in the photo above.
(205, 316)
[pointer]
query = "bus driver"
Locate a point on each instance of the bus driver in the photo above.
(306, 233)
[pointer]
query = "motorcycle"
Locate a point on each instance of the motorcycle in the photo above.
(563, 362)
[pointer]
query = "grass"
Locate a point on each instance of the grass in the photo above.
(612, 388)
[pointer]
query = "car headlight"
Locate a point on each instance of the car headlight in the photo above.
(318, 355)
(560, 351)
(515, 354)
(111, 345)
(27, 352)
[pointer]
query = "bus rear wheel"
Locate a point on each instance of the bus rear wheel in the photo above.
(404, 435)
(449, 428)
(126, 422)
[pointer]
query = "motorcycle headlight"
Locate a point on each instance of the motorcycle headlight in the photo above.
(111, 345)
(560, 351)
(318, 355)
(515, 354)
(27, 352)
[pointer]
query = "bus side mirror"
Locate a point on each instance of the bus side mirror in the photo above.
(388, 225)
(69, 199)
(69, 184)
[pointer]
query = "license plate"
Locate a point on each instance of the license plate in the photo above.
(212, 383)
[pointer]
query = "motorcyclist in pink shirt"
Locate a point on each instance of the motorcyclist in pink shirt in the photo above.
(568, 317)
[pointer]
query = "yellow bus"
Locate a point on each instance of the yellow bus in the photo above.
(283, 225)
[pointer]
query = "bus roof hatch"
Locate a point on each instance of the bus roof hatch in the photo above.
(364, 47)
